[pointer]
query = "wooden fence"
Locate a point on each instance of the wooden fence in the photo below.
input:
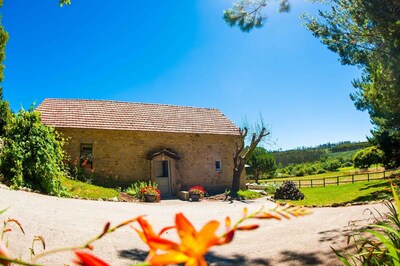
(328, 181)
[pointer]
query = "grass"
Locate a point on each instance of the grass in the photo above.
(249, 194)
(357, 192)
(84, 190)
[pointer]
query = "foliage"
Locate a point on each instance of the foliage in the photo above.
(134, 189)
(249, 194)
(5, 112)
(88, 191)
(33, 155)
(388, 141)
(288, 191)
(270, 189)
(367, 157)
(379, 243)
(261, 162)
(191, 247)
(197, 190)
(313, 168)
(366, 33)
(332, 165)
(150, 190)
(77, 171)
(247, 14)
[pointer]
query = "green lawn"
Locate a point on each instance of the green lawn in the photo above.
(249, 194)
(84, 190)
(357, 192)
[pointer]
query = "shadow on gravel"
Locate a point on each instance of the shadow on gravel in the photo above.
(138, 255)
(297, 258)
(237, 259)
(135, 254)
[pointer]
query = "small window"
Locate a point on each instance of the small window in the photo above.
(165, 168)
(86, 156)
(217, 166)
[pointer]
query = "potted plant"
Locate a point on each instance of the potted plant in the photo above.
(150, 194)
(196, 193)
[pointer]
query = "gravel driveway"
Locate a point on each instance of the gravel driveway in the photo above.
(68, 222)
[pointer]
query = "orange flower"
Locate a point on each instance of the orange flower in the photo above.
(149, 234)
(194, 244)
(4, 253)
(86, 259)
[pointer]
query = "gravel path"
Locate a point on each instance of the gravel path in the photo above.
(68, 222)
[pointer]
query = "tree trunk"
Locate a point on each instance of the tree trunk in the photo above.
(240, 157)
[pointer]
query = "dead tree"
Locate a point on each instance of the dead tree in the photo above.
(241, 155)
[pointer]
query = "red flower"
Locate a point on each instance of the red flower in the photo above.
(86, 259)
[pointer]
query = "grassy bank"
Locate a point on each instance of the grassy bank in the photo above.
(84, 190)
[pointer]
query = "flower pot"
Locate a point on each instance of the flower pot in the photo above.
(195, 197)
(150, 198)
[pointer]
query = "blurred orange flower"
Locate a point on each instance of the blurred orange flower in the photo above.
(86, 259)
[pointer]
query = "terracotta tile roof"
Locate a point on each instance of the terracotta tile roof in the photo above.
(99, 114)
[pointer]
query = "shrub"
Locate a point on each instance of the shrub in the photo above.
(76, 171)
(332, 165)
(32, 155)
(367, 157)
(288, 191)
(270, 188)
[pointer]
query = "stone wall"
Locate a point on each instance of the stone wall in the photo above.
(125, 153)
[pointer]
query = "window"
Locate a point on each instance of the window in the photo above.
(86, 155)
(218, 166)
(165, 168)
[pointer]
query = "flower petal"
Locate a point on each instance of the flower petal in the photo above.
(183, 225)
(168, 258)
(86, 259)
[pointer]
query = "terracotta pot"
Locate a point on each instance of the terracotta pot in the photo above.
(195, 197)
(150, 198)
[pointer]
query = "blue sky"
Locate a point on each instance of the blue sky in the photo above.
(182, 52)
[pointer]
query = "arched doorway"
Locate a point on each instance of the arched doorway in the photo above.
(163, 170)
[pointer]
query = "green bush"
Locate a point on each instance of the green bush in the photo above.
(32, 155)
(367, 157)
(332, 165)
(134, 189)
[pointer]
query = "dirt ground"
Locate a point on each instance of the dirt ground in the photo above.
(69, 222)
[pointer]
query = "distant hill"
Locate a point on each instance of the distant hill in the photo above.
(312, 154)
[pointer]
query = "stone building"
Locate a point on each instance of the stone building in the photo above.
(175, 146)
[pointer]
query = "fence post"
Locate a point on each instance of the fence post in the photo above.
(352, 179)
(368, 177)
(324, 182)
(337, 180)
(299, 183)
(274, 183)
(311, 182)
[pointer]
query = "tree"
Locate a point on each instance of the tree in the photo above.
(247, 14)
(366, 33)
(366, 157)
(5, 112)
(261, 162)
(32, 155)
(242, 154)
